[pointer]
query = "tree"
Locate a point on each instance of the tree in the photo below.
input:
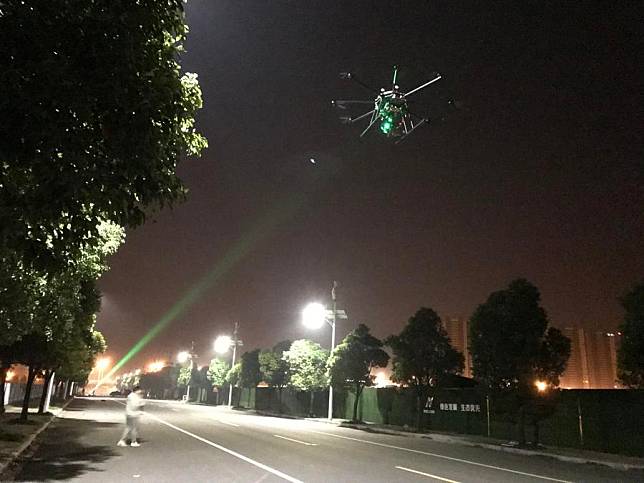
(512, 347)
(250, 375)
(274, 369)
(100, 116)
(423, 355)
(217, 371)
(232, 377)
(630, 356)
(307, 362)
(353, 359)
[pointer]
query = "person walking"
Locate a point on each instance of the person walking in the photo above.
(133, 411)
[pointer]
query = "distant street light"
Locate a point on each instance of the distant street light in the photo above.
(313, 316)
(223, 343)
(156, 366)
(541, 386)
(101, 364)
(184, 356)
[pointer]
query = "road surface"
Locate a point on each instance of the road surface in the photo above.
(202, 443)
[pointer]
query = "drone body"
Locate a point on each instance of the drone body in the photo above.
(390, 109)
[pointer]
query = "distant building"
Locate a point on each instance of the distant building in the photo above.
(457, 330)
(593, 359)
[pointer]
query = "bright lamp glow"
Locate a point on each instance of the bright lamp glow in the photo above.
(156, 366)
(103, 363)
(541, 385)
(223, 344)
(314, 315)
(183, 356)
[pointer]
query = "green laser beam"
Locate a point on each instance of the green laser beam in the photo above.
(262, 229)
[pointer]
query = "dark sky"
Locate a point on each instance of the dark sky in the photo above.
(539, 174)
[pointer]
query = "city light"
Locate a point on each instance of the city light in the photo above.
(156, 366)
(183, 356)
(314, 315)
(541, 385)
(103, 363)
(222, 344)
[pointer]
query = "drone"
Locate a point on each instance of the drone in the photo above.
(390, 109)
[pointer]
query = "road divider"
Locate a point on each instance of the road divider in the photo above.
(429, 475)
(442, 456)
(295, 440)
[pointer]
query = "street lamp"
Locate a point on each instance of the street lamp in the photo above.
(541, 385)
(102, 364)
(222, 344)
(313, 316)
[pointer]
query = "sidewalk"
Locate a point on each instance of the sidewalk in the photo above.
(16, 437)
(572, 455)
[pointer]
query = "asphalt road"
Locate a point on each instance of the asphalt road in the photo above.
(202, 443)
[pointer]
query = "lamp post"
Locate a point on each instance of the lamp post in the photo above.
(222, 344)
(313, 316)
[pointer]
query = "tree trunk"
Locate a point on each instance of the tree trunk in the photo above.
(535, 434)
(355, 403)
(419, 411)
(25, 402)
(3, 380)
(43, 396)
(522, 425)
(279, 400)
(311, 404)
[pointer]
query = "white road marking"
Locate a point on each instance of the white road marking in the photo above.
(426, 474)
(436, 455)
(229, 424)
(278, 473)
(295, 440)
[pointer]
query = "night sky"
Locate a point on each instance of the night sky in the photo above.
(539, 173)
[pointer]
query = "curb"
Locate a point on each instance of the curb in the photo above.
(527, 452)
(30, 439)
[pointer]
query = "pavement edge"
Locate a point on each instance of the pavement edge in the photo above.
(528, 452)
(30, 439)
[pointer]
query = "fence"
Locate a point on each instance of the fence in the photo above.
(602, 420)
(15, 392)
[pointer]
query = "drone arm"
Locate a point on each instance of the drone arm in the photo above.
(438, 77)
(371, 124)
(356, 119)
(423, 121)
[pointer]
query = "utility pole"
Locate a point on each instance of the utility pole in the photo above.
(235, 342)
(333, 319)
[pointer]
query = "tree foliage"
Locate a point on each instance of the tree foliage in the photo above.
(217, 371)
(307, 364)
(512, 346)
(274, 369)
(250, 375)
(233, 375)
(630, 357)
(100, 114)
(423, 355)
(353, 359)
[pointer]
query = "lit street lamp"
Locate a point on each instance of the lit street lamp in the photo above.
(102, 364)
(184, 356)
(313, 316)
(541, 385)
(222, 344)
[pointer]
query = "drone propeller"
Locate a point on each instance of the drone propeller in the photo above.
(343, 104)
(350, 76)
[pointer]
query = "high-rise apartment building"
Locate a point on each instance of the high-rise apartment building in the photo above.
(457, 330)
(593, 359)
